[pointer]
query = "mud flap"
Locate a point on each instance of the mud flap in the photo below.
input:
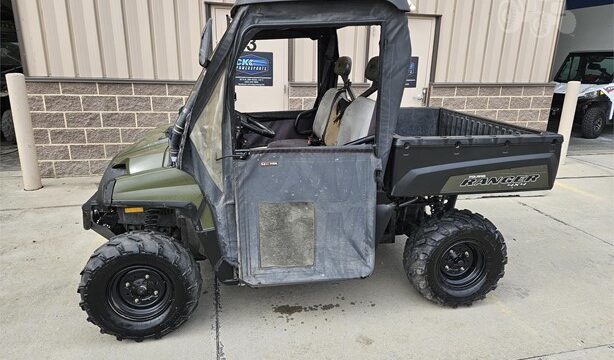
(306, 214)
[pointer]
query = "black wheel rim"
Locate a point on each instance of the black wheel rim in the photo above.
(598, 124)
(140, 293)
(462, 265)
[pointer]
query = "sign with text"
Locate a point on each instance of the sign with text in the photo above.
(254, 69)
(412, 73)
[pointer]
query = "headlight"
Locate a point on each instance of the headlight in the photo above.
(590, 95)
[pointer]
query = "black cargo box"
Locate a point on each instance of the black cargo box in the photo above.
(444, 152)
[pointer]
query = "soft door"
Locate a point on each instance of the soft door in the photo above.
(306, 214)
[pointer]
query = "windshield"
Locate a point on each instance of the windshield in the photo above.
(9, 54)
(189, 105)
(199, 82)
(587, 68)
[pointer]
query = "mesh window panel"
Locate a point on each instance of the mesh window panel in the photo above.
(286, 234)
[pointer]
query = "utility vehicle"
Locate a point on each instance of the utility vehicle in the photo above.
(595, 70)
(273, 198)
(10, 62)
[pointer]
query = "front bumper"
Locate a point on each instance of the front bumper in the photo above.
(91, 216)
(557, 108)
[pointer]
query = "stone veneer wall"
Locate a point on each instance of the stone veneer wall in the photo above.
(523, 105)
(303, 96)
(80, 126)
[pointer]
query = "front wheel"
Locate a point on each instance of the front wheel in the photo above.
(140, 285)
(455, 259)
(593, 122)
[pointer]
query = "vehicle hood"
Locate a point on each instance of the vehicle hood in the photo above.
(150, 152)
(561, 88)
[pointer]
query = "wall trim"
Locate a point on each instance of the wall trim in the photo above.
(439, 85)
(107, 80)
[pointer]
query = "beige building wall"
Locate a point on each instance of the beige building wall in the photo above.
(495, 41)
(112, 39)
(103, 72)
(480, 41)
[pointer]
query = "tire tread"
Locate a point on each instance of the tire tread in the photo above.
(423, 243)
(588, 127)
(144, 243)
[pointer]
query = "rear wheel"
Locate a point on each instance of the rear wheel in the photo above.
(593, 122)
(455, 259)
(140, 285)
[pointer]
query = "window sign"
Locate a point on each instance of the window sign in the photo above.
(412, 73)
(255, 69)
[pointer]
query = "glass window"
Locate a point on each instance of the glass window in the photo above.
(207, 133)
(599, 70)
(587, 68)
(9, 54)
(569, 71)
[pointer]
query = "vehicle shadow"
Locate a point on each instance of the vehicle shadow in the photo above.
(387, 286)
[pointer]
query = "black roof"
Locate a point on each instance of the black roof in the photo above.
(399, 4)
(587, 52)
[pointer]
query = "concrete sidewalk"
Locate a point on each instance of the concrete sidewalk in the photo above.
(555, 301)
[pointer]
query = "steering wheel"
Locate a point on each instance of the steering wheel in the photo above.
(255, 126)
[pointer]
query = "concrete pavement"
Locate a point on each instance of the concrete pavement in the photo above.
(555, 301)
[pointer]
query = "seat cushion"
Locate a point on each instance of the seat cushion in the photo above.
(326, 108)
(332, 130)
(288, 143)
(356, 121)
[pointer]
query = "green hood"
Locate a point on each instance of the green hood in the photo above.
(151, 152)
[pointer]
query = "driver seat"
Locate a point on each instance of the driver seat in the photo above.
(326, 122)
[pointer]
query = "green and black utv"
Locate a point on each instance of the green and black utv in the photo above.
(294, 197)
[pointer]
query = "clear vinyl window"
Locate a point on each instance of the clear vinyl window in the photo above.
(207, 133)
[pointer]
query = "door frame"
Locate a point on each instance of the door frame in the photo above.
(436, 39)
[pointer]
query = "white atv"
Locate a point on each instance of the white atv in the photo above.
(595, 70)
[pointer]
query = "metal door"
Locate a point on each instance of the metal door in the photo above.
(422, 30)
(422, 44)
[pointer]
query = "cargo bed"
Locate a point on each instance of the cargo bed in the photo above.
(444, 152)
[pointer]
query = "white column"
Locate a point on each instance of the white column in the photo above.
(22, 122)
(567, 116)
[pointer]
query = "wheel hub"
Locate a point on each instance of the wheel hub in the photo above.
(139, 293)
(461, 265)
(458, 260)
(141, 287)
(598, 124)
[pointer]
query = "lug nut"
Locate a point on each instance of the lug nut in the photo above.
(462, 268)
(146, 276)
(447, 267)
(156, 292)
(466, 253)
(127, 284)
(137, 301)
